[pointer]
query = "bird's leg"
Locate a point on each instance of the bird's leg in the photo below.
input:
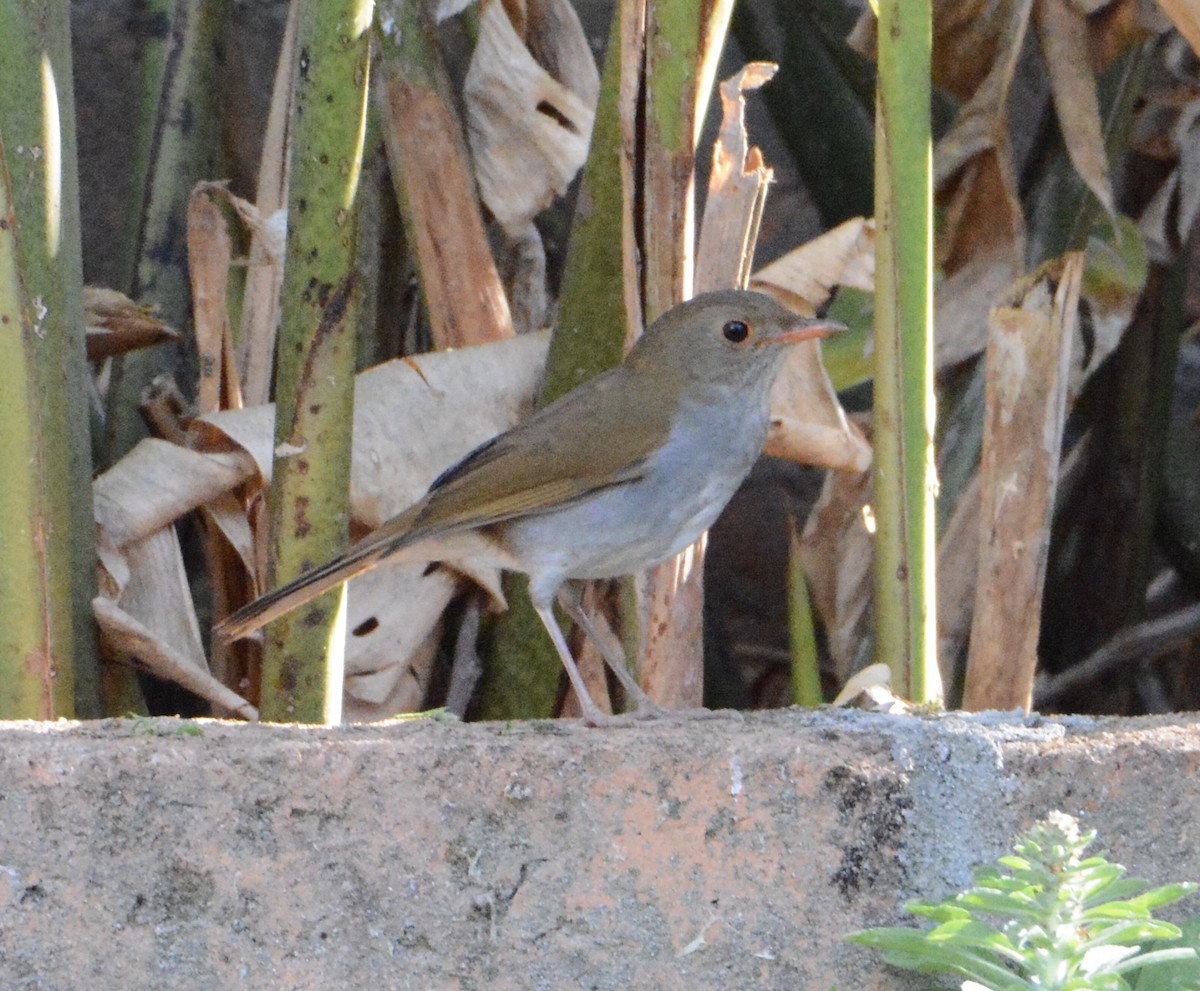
(571, 599)
(592, 715)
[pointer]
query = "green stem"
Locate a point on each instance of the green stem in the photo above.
(905, 478)
(314, 378)
(47, 555)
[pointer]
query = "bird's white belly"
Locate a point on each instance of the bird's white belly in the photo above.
(634, 526)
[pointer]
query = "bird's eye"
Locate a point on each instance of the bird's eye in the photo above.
(735, 331)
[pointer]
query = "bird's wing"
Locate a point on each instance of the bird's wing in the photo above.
(552, 460)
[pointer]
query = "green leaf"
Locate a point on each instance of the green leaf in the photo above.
(1178, 972)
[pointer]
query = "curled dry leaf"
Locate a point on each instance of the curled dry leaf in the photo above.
(530, 107)
(454, 400)
(145, 609)
(871, 689)
(808, 423)
(116, 324)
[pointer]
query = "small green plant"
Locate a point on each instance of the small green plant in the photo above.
(1044, 919)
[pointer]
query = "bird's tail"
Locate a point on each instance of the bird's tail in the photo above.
(304, 589)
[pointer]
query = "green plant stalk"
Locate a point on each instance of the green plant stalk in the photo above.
(802, 635)
(184, 149)
(522, 676)
(905, 476)
(590, 334)
(48, 663)
(314, 376)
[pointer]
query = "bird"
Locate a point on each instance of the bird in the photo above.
(618, 475)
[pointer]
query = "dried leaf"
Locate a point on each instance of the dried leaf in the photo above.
(871, 689)
(115, 324)
(146, 613)
(158, 482)
(124, 635)
(1185, 15)
(805, 277)
(973, 168)
(1063, 33)
(962, 303)
(529, 109)
(808, 423)
(737, 189)
(266, 220)
(390, 650)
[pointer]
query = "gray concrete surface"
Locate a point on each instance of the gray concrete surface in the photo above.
(735, 855)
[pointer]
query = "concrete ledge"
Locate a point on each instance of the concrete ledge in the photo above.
(429, 856)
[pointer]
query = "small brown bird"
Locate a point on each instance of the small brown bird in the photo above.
(615, 477)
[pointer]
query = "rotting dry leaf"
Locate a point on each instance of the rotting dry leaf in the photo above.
(1028, 352)
(115, 324)
(530, 107)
